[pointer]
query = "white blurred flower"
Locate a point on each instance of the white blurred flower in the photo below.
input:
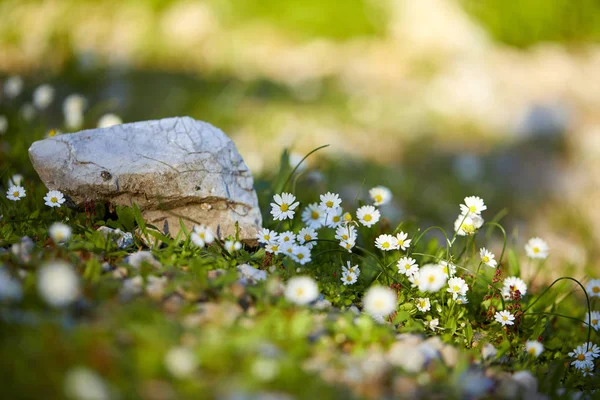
(473, 205)
(204, 233)
(155, 286)
(108, 120)
(379, 301)
(467, 224)
(511, 285)
(82, 383)
(487, 257)
(594, 319)
(306, 237)
(43, 96)
(3, 124)
(59, 232)
(407, 266)
(54, 198)
(403, 242)
(380, 195)
(314, 216)
(27, 112)
(16, 179)
(295, 159)
(534, 348)
(431, 278)
(232, 246)
(537, 248)
(386, 242)
(593, 288)
(504, 317)
(180, 362)
(10, 288)
(448, 269)
(301, 290)
(457, 287)
(13, 86)
(15, 193)
(423, 304)
(267, 236)
(73, 108)
(283, 206)
(488, 351)
(58, 284)
(137, 259)
(368, 215)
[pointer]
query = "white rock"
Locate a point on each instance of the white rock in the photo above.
(171, 168)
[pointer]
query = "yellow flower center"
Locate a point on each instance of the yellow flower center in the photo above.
(504, 318)
(300, 292)
(472, 209)
(407, 266)
(594, 321)
(532, 351)
(378, 304)
(596, 289)
(581, 357)
(284, 207)
(486, 259)
(348, 278)
(315, 215)
(468, 229)
(307, 237)
(344, 237)
(536, 249)
(423, 304)
(54, 200)
(368, 217)
(286, 238)
(348, 217)
(16, 194)
(52, 133)
(378, 198)
(329, 204)
(290, 250)
(300, 256)
(431, 279)
(456, 288)
(275, 248)
(267, 237)
(385, 245)
(336, 218)
(348, 246)
(400, 243)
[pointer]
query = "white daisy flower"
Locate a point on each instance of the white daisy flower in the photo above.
(232, 246)
(197, 240)
(407, 266)
(534, 348)
(380, 195)
(180, 362)
(330, 201)
(287, 237)
(537, 248)
(73, 108)
(16, 179)
(593, 288)
(592, 349)
(59, 232)
(306, 237)
(368, 215)
(581, 355)
(273, 248)
(349, 268)
(586, 368)
(473, 205)
(205, 233)
(415, 279)
(504, 317)
(447, 268)
(347, 232)
(487, 257)
(43, 96)
(58, 284)
(349, 278)
(423, 304)
(287, 249)
(386, 242)
(431, 278)
(434, 324)
(403, 242)
(457, 287)
(13, 85)
(348, 244)
(15, 193)
(108, 120)
(467, 224)
(511, 285)
(380, 301)
(3, 124)
(333, 218)
(462, 300)
(266, 236)
(314, 216)
(594, 319)
(54, 198)
(301, 254)
(301, 290)
(283, 206)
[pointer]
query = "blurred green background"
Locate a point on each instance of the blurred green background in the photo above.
(436, 99)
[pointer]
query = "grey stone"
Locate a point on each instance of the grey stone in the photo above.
(171, 168)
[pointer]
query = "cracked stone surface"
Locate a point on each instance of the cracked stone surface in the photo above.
(171, 168)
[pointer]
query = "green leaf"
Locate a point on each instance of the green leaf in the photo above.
(401, 316)
(513, 263)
